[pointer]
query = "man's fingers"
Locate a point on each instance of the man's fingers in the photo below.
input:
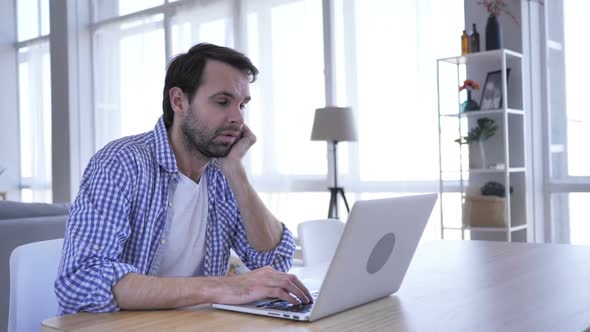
(291, 284)
(285, 296)
(298, 289)
(267, 282)
(302, 287)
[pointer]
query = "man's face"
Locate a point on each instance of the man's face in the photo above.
(215, 116)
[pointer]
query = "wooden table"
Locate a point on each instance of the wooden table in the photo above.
(450, 286)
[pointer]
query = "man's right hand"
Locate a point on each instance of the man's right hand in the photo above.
(262, 283)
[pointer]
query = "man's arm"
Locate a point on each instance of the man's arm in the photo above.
(263, 230)
(140, 292)
(95, 233)
(92, 279)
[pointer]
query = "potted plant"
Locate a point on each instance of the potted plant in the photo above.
(484, 129)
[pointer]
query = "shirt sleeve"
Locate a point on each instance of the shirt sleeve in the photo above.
(280, 258)
(96, 231)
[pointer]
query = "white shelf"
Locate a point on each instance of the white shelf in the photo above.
(484, 113)
(487, 170)
(488, 229)
(505, 150)
(478, 57)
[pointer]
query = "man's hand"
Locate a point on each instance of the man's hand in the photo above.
(264, 283)
(239, 149)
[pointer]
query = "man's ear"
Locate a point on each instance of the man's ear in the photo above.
(178, 101)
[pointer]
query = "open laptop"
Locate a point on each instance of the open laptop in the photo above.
(370, 262)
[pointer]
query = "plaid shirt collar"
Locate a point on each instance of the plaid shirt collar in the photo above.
(164, 153)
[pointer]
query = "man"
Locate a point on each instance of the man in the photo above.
(157, 213)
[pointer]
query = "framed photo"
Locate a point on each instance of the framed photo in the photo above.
(491, 96)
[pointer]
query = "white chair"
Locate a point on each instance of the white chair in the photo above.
(319, 239)
(33, 269)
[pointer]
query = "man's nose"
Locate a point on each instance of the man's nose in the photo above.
(237, 115)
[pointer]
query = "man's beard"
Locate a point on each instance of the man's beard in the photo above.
(200, 140)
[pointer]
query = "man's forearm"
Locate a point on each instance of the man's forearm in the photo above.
(263, 230)
(141, 292)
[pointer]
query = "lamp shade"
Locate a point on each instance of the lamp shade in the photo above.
(333, 124)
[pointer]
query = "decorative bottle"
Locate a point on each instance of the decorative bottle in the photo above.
(464, 43)
(474, 40)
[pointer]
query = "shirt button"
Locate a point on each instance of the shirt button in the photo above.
(163, 241)
(95, 247)
(170, 204)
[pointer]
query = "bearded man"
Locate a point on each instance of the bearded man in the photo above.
(158, 213)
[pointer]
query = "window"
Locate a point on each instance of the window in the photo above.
(386, 55)
(385, 68)
(34, 99)
(569, 122)
(129, 54)
(129, 69)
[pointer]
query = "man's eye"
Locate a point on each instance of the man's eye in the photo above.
(242, 106)
(223, 102)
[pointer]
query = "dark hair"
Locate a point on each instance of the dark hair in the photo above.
(185, 71)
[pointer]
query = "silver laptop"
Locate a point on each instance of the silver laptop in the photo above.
(370, 262)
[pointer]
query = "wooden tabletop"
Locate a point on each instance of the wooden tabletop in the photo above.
(450, 286)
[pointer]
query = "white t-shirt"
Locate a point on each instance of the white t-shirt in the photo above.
(185, 251)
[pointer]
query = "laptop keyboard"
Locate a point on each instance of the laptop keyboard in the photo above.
(287, 306)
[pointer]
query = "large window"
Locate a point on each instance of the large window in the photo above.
(384, 56)
(34, 99)
(569, 121)
(129, 68)
(386, 53)
(383, 62)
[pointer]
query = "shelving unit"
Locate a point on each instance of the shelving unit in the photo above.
(505, 150)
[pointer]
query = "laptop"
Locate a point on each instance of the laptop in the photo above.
(370, 261)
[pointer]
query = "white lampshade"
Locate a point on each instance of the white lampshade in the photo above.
(333, 124)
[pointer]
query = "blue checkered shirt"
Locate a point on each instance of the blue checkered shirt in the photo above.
(119, 223)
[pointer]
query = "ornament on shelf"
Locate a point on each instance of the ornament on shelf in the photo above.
(469, 104)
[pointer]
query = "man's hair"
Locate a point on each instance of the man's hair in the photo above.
(185, 71)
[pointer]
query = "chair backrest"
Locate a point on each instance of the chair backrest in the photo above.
(319, 239)
(33, 269)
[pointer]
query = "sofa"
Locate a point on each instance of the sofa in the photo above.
(22, 223)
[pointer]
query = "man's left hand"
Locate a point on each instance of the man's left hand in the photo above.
(239, 149)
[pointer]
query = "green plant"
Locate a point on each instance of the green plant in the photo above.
(485, 129)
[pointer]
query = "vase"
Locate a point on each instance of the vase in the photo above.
(469, 104)
(477, 155)
(493, 34)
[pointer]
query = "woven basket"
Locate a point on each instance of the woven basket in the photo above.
(484, 211)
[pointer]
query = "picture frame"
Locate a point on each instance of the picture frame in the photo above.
(491, 96)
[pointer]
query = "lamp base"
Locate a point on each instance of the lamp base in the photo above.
(333, 208)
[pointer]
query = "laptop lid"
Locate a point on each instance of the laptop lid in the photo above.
(374, 252)
(370, 262)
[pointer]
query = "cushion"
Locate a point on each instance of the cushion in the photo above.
(15, 210)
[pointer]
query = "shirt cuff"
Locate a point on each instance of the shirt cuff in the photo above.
(280, 258)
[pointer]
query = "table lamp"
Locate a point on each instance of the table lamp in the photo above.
(334, 124)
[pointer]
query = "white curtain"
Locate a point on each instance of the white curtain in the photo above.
(129, 68)
(385, 68)
(35, 121)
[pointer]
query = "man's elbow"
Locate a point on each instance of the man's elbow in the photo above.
(71, 300)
